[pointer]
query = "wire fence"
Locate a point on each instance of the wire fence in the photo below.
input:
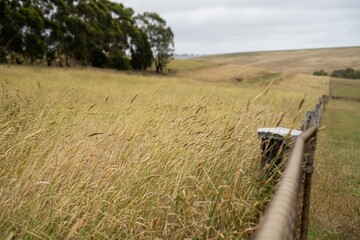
(288, 212)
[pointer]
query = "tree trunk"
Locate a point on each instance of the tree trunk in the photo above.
(60, 59)
(67, 60)
(59, 55)
(159, 68)
(12, 58)
(18, 59)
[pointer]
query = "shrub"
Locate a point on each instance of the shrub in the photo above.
(320, 73)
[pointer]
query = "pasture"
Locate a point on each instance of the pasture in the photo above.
(88, 153)
(335, 211)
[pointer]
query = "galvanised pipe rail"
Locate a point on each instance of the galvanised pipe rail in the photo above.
(281, 217)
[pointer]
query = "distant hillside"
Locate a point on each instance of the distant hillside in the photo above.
(294, 61)
(186, 55)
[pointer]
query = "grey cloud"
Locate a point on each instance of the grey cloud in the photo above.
(209, 26)
(183, 5)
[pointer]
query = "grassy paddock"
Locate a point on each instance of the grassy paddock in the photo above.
(188, 64)
(335, 209)
(345, 88)
(100, 154)
(295, 61)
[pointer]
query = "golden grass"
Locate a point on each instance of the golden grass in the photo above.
(295, 61)
(89, 154)
(225, 73)
(188, 64)
(345, 88)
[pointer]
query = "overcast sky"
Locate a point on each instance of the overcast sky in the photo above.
(226, 26)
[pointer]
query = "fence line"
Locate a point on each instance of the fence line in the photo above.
(280, 220)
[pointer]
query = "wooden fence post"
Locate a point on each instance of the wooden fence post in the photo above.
(309, 169)
(274, 143)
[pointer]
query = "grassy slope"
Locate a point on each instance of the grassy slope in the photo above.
(295, 61)
(335, 210)
(70, 95)
(97, 154)
(345, 88)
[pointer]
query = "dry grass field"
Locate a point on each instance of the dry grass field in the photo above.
(98, 154)
(345, 88)
(295, 61)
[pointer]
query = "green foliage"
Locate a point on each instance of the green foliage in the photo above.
(2, 55)
(320, 73)
(118, 61)
(99, 33)
(160, 36)
(98, 58)
(348, 73)
(141, 54)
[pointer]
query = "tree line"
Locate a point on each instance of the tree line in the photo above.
(97, 33)
(348, 73)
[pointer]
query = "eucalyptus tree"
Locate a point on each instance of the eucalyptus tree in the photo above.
(97, 32)
(109, 26)
(21, 30)
(141, 54)
(160, 37)
(57, 33)
(32, 31)
(119, 37)
(11, 23)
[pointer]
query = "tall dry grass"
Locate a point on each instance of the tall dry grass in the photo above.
(90, 154)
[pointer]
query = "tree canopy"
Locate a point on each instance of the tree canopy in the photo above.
(99, 33)
(348, 73)
(160, 36)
